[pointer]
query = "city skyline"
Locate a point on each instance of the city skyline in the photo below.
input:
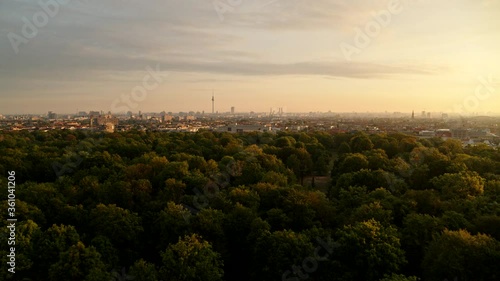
(269, 112)
(363, 56)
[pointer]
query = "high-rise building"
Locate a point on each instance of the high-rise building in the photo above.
(51, 115)
(460, 133)
(104, 122)
(232, 109)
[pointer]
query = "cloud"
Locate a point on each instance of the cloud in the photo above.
(89, 37)
(301, 14)
(77, 61)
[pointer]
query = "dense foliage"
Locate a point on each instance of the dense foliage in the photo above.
(256, 206)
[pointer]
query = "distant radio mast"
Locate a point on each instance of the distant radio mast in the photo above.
(213, 102)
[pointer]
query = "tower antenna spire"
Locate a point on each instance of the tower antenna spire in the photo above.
(213, 102)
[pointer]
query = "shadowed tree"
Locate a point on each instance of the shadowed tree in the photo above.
(209, 223)
(24, 252)
(120, 225)
(360, 143)
(350, 163)
(79, 263)
(277, 252)
(143, 271)
(191, 259)
(171, 223)
(48, 244)
(369, 246)
(344, 148)
(109, 254)
(417, 232)
(462, 255)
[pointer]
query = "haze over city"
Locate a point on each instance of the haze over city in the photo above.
(255, 54)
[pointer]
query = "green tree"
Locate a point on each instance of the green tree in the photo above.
(286, 141)
(492, 190)
(44, 196)
(176, 170)
(118, 193)
(171, 224)
(299, 205)
(48, 244)
(417, 232)
(24, 254)
(488, 224)
(245, 196)
(277, 252)
(370, 246)
(344, 148)
(371, 179)
(119, 225)
(424, 201)
(352, 163)
(462, 255)
(451, 147)
(278, 219)
(109, 254)
(273, 177)
(300, 162)
(143, 271)
(377, 159)
(454, 221)
(173, 190)
(209, 223)
(459, 186)
(437, 162)
(351, 198)
(191, 259)
(79, 263)
(374, 211)
(360, 143)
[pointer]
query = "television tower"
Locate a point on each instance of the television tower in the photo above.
(213, 102)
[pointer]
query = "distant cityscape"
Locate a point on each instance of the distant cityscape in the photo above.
(471, 130)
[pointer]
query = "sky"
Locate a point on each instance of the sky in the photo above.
(170, 55)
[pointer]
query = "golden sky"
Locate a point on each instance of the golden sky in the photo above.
(338, 55)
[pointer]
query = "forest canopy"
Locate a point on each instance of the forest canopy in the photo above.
(254, 206)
